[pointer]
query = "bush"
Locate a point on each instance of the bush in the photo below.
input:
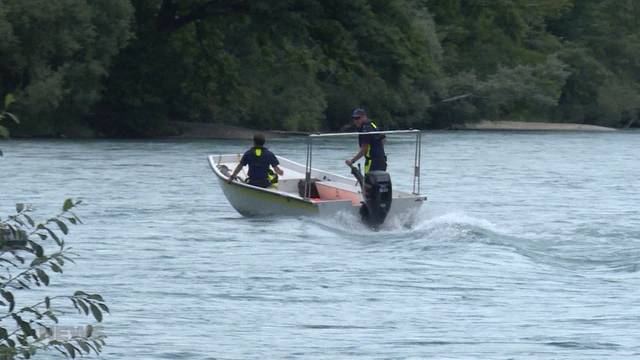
(30, 253)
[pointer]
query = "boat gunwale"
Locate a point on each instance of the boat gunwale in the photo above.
(345, 180)
(285, 194)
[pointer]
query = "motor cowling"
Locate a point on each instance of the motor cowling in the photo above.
(377, 197)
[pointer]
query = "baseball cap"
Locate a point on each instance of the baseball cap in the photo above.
(358, 112)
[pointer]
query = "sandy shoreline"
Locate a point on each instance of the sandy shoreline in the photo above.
(189, 130)
(529, 126)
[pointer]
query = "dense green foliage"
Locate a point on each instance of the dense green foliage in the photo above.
(129, 67)
(30, 254)
(55, 56)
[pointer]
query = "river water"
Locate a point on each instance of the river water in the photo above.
(529, 247)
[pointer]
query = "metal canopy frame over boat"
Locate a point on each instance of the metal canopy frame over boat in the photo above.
(416, 162)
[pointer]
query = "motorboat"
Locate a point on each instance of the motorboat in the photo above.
(305, 191)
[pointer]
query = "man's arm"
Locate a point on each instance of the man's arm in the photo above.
(363, 150)
(275, 163)
(235, 172)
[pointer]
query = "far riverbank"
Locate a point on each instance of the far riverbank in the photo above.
(529, 126)
(189, 130)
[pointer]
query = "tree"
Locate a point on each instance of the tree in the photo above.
(499, 60)
(481, 36)
(524, 91)
(619, 103)
(284, 64)
(76, 66)
(29, 253)
(602, 45)
(54, 56)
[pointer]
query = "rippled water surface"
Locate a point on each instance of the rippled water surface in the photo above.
(529, 247)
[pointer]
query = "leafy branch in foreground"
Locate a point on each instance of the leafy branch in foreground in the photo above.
(30, 253)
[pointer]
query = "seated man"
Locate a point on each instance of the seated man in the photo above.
(259, 159)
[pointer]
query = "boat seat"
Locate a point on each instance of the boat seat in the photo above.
(333, 190)
(340, 185)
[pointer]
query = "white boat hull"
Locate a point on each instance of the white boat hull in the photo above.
(338, 194)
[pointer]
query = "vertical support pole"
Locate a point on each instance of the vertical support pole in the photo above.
(415, 167)
(307, 183)
(416, 164)
(419, 158)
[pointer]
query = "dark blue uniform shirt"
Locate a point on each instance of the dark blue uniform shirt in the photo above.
(376, 147)
(259, 159)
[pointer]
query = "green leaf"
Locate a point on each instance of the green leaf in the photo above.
(22, 340)
(23, 285)
(32, 310)
(51, 316)
(7, 295)
(13, 117)
(29, 220)
(96, 312)
(94, 348)
(56, 268)
(68, 204)
(95, 297)
(19, 258)
(62, 226)
(53, 235)
(39, 260)
(83, 306)
(8, 100)
(70, 350)
(43, 276)
(8, 262)
(24, 326)
(84, 346)
(39, 251)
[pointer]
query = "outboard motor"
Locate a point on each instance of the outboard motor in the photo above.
(376, 191)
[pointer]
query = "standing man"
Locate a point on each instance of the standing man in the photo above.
(371, 145)
(259, 159)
